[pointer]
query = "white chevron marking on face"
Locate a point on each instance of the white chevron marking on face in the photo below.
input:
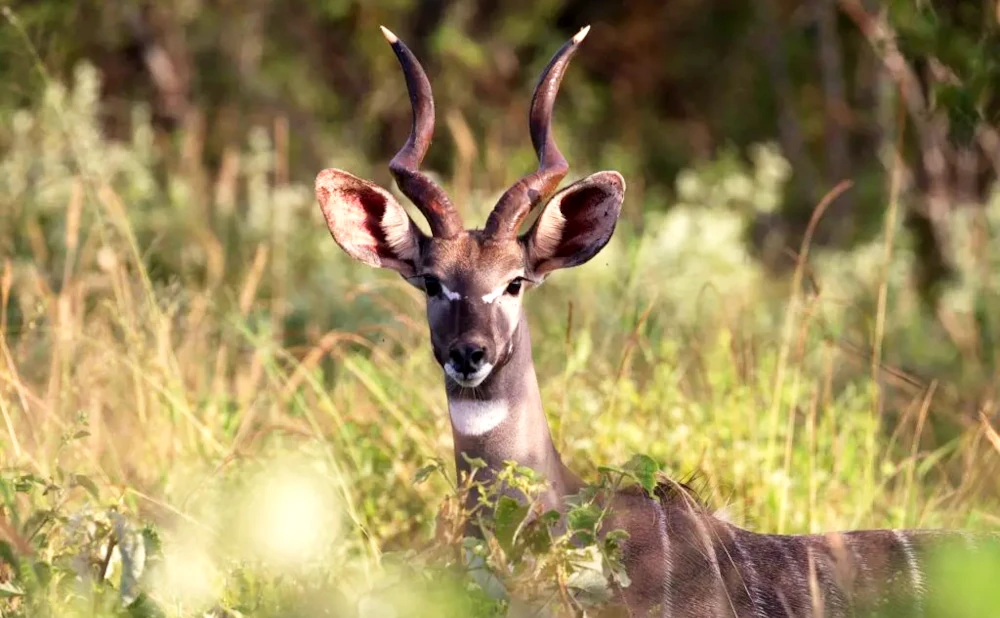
(449, 294)
(495, 294)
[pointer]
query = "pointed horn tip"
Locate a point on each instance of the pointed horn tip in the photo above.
(581, 35)
(389, 36)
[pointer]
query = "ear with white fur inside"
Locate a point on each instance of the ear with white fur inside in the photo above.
(576, 223)
(367, 222)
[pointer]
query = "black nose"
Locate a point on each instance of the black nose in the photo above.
(467, 357)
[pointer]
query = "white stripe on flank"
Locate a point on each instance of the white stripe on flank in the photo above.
(784, 602)
(796, 573)
(858, 557)
(709, 545)
(668, 565)
(817, 598)
(750, 584)
(916, 576)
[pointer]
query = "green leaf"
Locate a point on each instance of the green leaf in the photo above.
(88, 484)
(7, 555)
(475, 463)
(935, 457)
(550, 518)
(26, 482)
(43, 572)
(615, 536)
(41, 540)
(959, 104)
(584, 518)
(619, 575)
(644, 469)
(538, 537)
(508, 517)
(151, 538)
(584, 539)
(425, 472)
(38, 519)
(527, 473)
(144, 607)
(10, 589)
(5, 488)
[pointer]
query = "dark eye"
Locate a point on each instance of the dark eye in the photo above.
(514, 287)
(432, 286)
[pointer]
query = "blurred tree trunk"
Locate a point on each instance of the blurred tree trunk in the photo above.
(952, 149)
(771, 37)
(771, 233)
(162, 46)
(839, 224)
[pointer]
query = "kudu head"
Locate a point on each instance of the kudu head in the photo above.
(473, 279)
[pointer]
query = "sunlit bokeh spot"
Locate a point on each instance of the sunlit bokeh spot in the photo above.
(187, 579)
(291, 517)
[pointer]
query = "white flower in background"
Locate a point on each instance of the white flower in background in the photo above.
(700, 249)
(689, 186)
(738, 187)
(767, 200)
(771, 168)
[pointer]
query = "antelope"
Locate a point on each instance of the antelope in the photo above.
(682, 560)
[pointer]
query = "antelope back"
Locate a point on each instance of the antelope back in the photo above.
(684, 562)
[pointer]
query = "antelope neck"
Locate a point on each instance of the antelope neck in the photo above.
(502, 420)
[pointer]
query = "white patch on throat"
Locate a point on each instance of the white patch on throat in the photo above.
(474, 418)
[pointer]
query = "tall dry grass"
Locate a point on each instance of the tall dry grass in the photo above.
(206, 407)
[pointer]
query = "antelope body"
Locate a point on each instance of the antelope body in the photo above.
(682, 561)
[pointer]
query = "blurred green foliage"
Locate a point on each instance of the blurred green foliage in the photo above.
(660, 84)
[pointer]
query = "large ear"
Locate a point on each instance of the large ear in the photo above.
(367, 222)
(576, 223)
